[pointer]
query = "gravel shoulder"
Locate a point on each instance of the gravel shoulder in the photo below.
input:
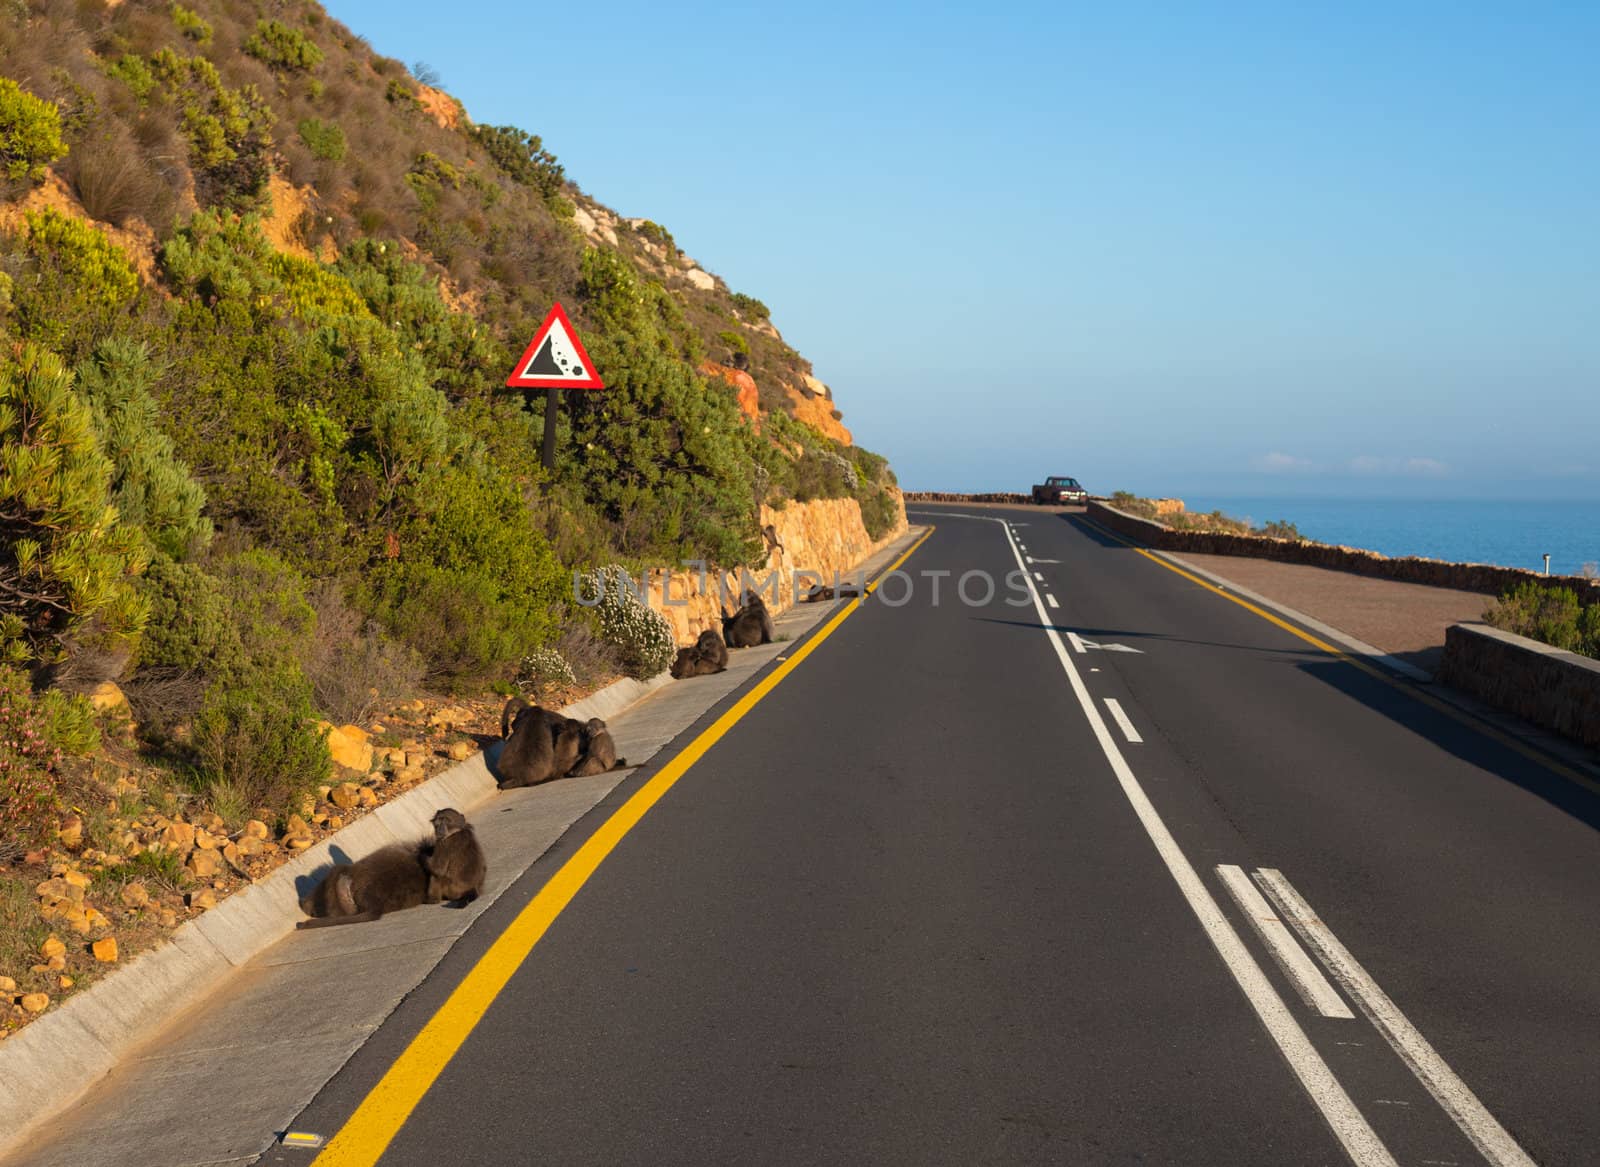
(1405, 620)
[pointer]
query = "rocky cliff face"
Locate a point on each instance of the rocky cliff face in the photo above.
(821, 538)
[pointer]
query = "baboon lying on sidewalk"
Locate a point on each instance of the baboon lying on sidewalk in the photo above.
(599, 751)
(705, 656)
(540, 744)
(750, 625)
(456, 866)
(389, 880)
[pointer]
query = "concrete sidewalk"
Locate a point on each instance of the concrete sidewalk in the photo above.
(222, 1079)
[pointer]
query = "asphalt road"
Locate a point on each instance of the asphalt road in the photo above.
(929, 902)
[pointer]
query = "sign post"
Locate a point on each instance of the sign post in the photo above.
(553, 361)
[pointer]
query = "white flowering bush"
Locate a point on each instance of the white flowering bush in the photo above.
(541, 667)
(642, 636)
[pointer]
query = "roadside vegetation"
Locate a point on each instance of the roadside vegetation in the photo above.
(1554, 616)
(1171, 512)
(259, 291)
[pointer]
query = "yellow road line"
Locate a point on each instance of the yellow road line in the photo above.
(368, 1132)
(1516, 746)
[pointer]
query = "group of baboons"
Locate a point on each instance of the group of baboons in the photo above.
(540, 745)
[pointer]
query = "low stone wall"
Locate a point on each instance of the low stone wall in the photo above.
(1550, 687)
(1467, 577)
(822, 537)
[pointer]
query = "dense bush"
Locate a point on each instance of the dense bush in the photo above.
(77, 286)
(325, 140)
(256, 736)
(523, 157)
(640, 634)
(151, 487)
(30, 132)
(191, 24)
(1553, 615)
(282, 47)
(66, 564)
(28, 802)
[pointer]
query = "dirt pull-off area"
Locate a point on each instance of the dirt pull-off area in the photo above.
(1405, 620)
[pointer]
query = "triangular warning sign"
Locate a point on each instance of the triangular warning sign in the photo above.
(555, 359)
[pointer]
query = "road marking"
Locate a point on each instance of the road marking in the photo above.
(1122, 721)
(1031, 559)
(1039, 575)
(1052, 600)
(1077, 645)
(365, 1135)
(1359, 1140)
(1307, 978)
(1458, 1101)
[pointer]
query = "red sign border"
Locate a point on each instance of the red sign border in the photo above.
(516, 381)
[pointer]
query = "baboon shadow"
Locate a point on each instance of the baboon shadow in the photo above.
(305, 884)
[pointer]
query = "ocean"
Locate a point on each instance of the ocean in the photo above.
(1509, 534)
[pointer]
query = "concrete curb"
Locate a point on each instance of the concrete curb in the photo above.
(59, 1056)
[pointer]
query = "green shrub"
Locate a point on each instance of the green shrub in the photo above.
(640, 634)
(256, 732)
(735, 341)
(151, 487)
(1552, 615)
(229, 130)
(457, 621)
(191, 24)
(1279, 529)
(658, 234)
(325, 140)
(543, 667)
(522, 157)
(68, 720)
(282, 48)
(191, 624)
(67, 566)
(30, 132)
(751, 307)
(29, 805)
(79, 285)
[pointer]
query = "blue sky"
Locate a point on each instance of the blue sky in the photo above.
(1250, 249)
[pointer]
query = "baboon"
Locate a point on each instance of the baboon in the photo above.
(540, 744)
(710, 647)
(829, 592)
(388, 880)
(705, 656)
(750, 625)
(455, 865)
(599, 751)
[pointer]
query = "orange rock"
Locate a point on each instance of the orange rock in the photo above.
(52, 947)
(105, 951)
(35, 1002)
(743, 383)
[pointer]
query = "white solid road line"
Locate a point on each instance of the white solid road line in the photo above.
(1052, 600)
(1077, 645)
(1309, 982)
(1122, 721)
(1359, 1140)
(1459, 1102)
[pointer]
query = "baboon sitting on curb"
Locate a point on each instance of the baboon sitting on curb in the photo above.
(456, 866)
(388, 880)
(750, 625)
(705, 656)
(540, 744)
(599, 751)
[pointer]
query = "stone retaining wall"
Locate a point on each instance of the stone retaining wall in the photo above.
(1550, 687)
(822, 537)
(1467, 577)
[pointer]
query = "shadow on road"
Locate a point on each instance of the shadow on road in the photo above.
(1467, 740)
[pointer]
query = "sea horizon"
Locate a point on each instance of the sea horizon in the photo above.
(1503, 532)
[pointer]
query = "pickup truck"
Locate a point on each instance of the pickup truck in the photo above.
(1058, 489)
